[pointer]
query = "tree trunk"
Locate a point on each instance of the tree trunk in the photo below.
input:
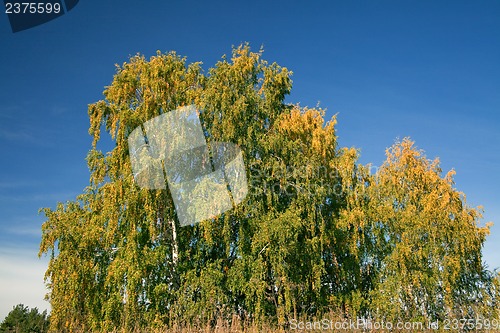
(175, 248)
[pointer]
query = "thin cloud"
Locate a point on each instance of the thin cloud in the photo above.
(21, 279)
(58, 110)
(13, 185)
(23, 230)
(40, 197)
(18, 135)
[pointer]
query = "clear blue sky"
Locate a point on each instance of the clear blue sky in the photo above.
(425, 69)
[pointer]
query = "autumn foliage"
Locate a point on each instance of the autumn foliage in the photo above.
(318, 232)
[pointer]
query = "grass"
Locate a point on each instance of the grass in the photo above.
(329, 323)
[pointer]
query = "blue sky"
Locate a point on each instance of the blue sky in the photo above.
(425, 69)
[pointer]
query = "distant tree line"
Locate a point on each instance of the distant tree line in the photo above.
(317, 232)
(23, 320)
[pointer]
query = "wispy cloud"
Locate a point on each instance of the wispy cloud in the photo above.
(18, 135)
(18, 184)
(9, 112)
(21, 279)
(39, 197)
(23, 230)
(18, 125)
(58, 110)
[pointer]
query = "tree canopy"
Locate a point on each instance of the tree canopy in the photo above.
(21, 319)
(317, 231)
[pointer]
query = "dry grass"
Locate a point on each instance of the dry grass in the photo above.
(236, 326)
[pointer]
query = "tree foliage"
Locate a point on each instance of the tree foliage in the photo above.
(23, 320)
(317, 230)
(421, 243)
